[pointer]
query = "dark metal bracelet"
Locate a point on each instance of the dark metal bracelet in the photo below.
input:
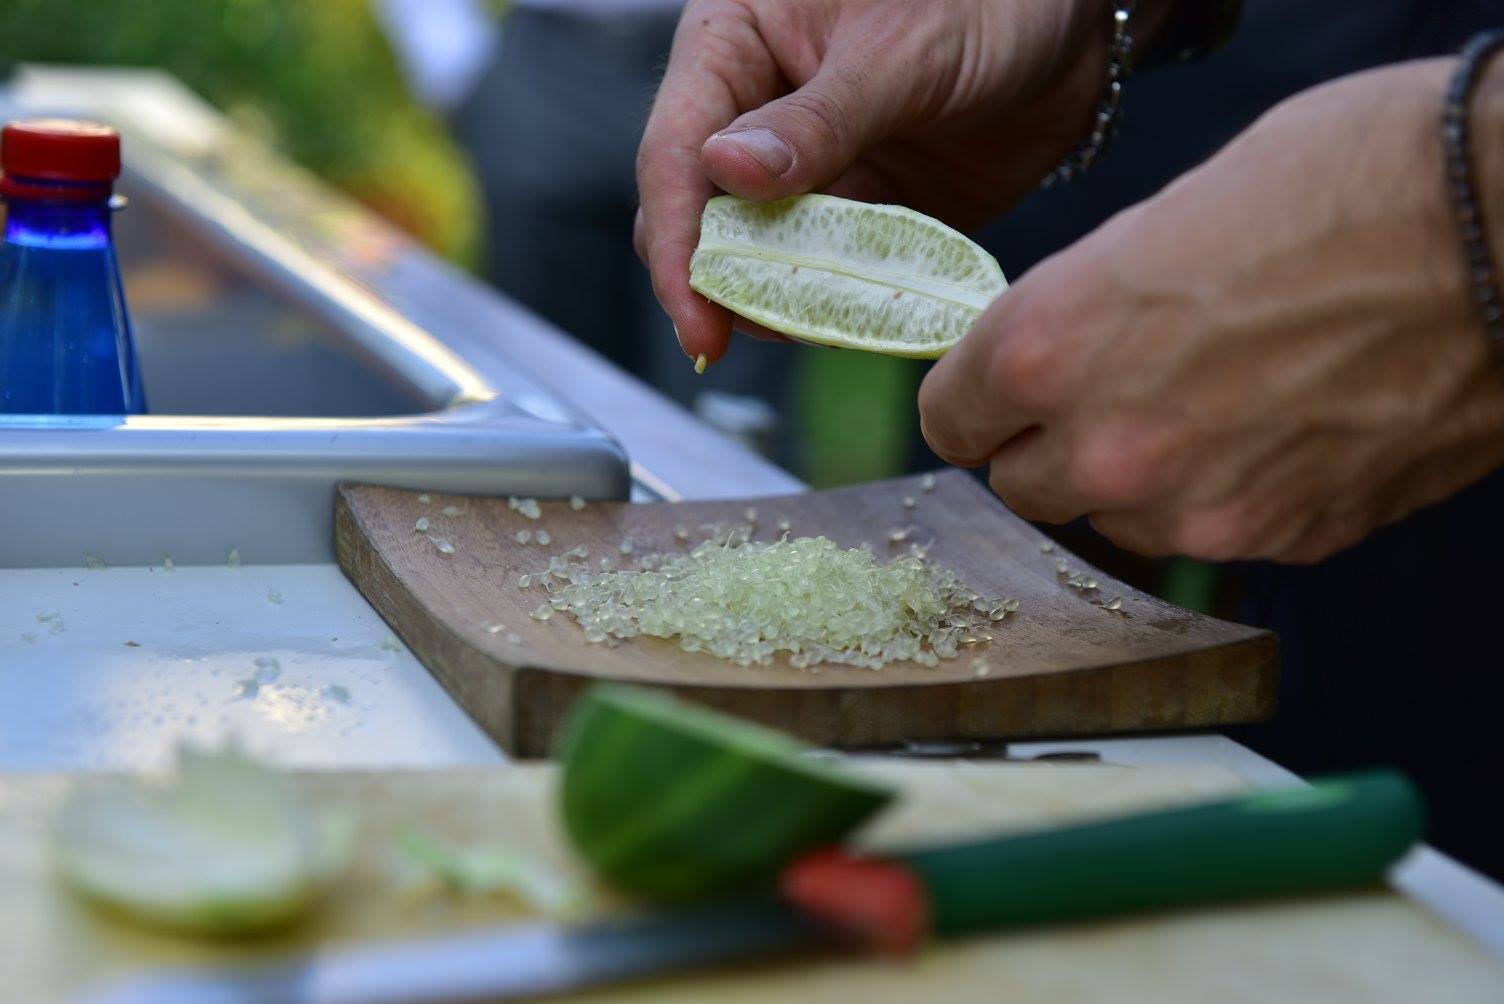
(1456, 137)
(1105, 127)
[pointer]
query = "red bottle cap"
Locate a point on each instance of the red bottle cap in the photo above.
(60, 150)
(57, 150)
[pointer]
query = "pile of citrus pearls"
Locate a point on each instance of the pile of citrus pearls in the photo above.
(745, 600)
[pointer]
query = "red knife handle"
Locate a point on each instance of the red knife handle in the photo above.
(880, 903)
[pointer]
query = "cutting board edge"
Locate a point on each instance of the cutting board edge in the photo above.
(440, 651)
(1080, 702)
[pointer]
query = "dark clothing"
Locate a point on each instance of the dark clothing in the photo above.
(1391, 654)
(552, 128)
(1442, 26)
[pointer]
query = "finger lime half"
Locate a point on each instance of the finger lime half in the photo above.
(672, 801)
(228, 848)
(849, 274)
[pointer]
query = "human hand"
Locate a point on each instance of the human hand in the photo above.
(955, 109)
(1269, 359)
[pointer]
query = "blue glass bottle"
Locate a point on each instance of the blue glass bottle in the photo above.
(65, 338)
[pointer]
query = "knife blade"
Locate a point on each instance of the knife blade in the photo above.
(501, 963)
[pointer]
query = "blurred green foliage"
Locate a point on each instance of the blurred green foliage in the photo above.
(1191, 584)
(856, 415)
(314, 77)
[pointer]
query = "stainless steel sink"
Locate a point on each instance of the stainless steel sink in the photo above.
(288, 341)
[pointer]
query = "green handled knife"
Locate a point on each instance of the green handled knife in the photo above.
(1338, 833)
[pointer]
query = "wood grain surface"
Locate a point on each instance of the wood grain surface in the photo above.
(1369, 947)
(1065, 664)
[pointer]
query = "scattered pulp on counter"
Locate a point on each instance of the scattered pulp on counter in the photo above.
(489, 870)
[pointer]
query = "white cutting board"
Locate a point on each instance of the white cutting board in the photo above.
(1363, 948)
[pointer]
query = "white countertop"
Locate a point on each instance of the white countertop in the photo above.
(145, 657)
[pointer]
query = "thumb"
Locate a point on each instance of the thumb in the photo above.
(803, 141)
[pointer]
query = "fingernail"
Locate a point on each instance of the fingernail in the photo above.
(680, 339)
(765, 147)
(700, 363)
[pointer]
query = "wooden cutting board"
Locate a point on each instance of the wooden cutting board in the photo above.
(1366, 948)
(1065, 664)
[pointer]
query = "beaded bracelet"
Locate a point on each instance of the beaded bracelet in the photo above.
(1456, 136)
(1109, 112)
(1191, 34)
